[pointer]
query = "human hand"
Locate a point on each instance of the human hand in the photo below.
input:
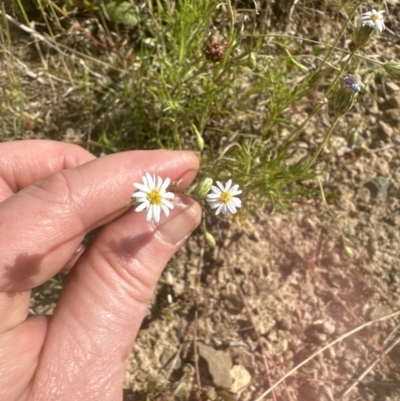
(51, 195)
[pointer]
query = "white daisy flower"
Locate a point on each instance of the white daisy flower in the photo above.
(153, 197)
(373, 19)
(224, 198)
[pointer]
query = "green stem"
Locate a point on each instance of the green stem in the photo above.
(231, 17)
(323, 62)
(323, 143)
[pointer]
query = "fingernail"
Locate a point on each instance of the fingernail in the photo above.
(182, 221)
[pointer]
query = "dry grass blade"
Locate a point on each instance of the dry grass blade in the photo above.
(371, 366)
(331, 344)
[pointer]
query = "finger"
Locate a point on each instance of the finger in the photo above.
(104, 302)
(19, 350)
(44, 223)
(21, 164)
(76, 255)
(25, 162)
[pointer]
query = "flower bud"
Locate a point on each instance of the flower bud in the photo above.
(349, 251)
(199, 138)
(203, 188)
(346, 97)
(363, 36)
(393, 69)
(344, 101)
(252, 61)
(210, 239)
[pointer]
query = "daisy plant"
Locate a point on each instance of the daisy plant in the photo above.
(153, 196)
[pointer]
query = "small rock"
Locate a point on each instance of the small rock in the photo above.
(219, 364)
(363, 195)
(241, 378)
(324, 326)
(284, 324)
(385, 130)
(318, 337)
(288, 355)
(379, 311)
(211, 393)
(391, 87)
(378, 188)
(392, 116)
(393, 102)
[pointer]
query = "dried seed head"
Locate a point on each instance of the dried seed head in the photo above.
(215, 50)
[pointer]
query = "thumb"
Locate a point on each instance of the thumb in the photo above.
(104, 302)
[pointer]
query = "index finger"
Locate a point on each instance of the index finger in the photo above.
(43, 224)
(25, 162)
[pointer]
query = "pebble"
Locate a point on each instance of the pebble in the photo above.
(385, 130)
(378, 188)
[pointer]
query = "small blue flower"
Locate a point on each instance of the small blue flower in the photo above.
(353, 82)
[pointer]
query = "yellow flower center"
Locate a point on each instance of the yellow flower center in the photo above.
(225, 197)
(375, 17)
(154, 197)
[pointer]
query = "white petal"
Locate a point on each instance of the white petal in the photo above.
(380, 26)
(159, 183)
(167, 203)
(216, 190)
(165, 209)
(150, 181)
(142, 187)
(225, 209)
(236, 202)
(145, 182)
(219, 208)
(228, 185)
(139, 194)
(366, 16)
(235, 191)
(142, 206)
(215, 205)
(169, 195)
(141, 200)
(166, 184)
(369, 23)
(231, 208)
(149, 215)
(212, 197)
(221, 187)
(156, 213)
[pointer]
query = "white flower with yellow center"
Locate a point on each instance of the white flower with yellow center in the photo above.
(373, 19)
(153, 197)
(224, 198)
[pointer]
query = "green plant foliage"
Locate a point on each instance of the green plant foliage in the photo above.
(193, 74)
